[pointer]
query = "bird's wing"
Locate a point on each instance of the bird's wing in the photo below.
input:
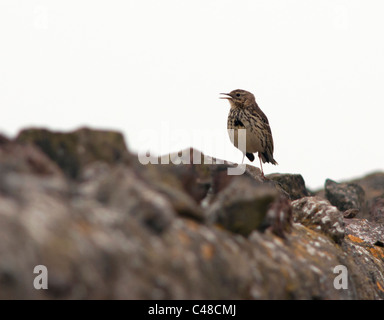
(260, 120)
(257, 109)
(242, 122)
(238, 123)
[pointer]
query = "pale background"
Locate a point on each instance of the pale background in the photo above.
(154, 70)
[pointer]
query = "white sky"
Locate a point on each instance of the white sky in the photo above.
(154, 70)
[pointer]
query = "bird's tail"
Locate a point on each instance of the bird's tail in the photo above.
(265, 157)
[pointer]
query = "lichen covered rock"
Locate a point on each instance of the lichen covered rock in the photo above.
(108, 227)
(318, 214)
(242, 206)
(72, 151)
(293, 184)
(345, 196)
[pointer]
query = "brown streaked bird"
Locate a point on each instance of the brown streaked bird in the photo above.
(246, 114)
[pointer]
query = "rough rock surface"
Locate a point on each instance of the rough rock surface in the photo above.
(242, 206)
(293, 184)
(345, 196)
(108, 227)
(376, 213)
(318, 214)
(373, 185)
(72, 151)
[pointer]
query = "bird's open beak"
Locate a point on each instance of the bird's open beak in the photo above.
(227, 94)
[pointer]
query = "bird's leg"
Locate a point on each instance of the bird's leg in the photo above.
(242, 161)
(261, 167)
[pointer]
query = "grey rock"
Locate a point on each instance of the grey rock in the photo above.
(124, 190)
(242, 206)
(121, 230)
(179, 184)
(292, 184)
(345, 196)
(74, 150)
(364, 231)
(376, 213)
(318, 214)
(350, 213)
(373, 185)
(279, 217)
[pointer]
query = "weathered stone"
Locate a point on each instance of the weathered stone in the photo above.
(242, 206)
(318, 214)
(364, 243)
(279, 217)
(116, 232)
(345, 195)
(376, 213)
(292, 184)
(254, 172)
(367, 231)
(3, 139)
(18, 256)
(179, 184)
(25, 170)
(350, 213)
(72, 151)
(373, 185)
(220, 178)
(25, 159)
(125, 191)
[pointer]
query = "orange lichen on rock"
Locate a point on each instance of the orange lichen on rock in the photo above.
(192, 224)
(207, 251)
(184, 239)
(355, 239)
(379, 286)
(377, 253)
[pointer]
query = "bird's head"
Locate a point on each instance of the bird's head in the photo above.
(239, 98)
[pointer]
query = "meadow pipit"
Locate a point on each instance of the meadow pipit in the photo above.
(246, 114)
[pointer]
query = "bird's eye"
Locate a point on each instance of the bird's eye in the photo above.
(237, 94)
